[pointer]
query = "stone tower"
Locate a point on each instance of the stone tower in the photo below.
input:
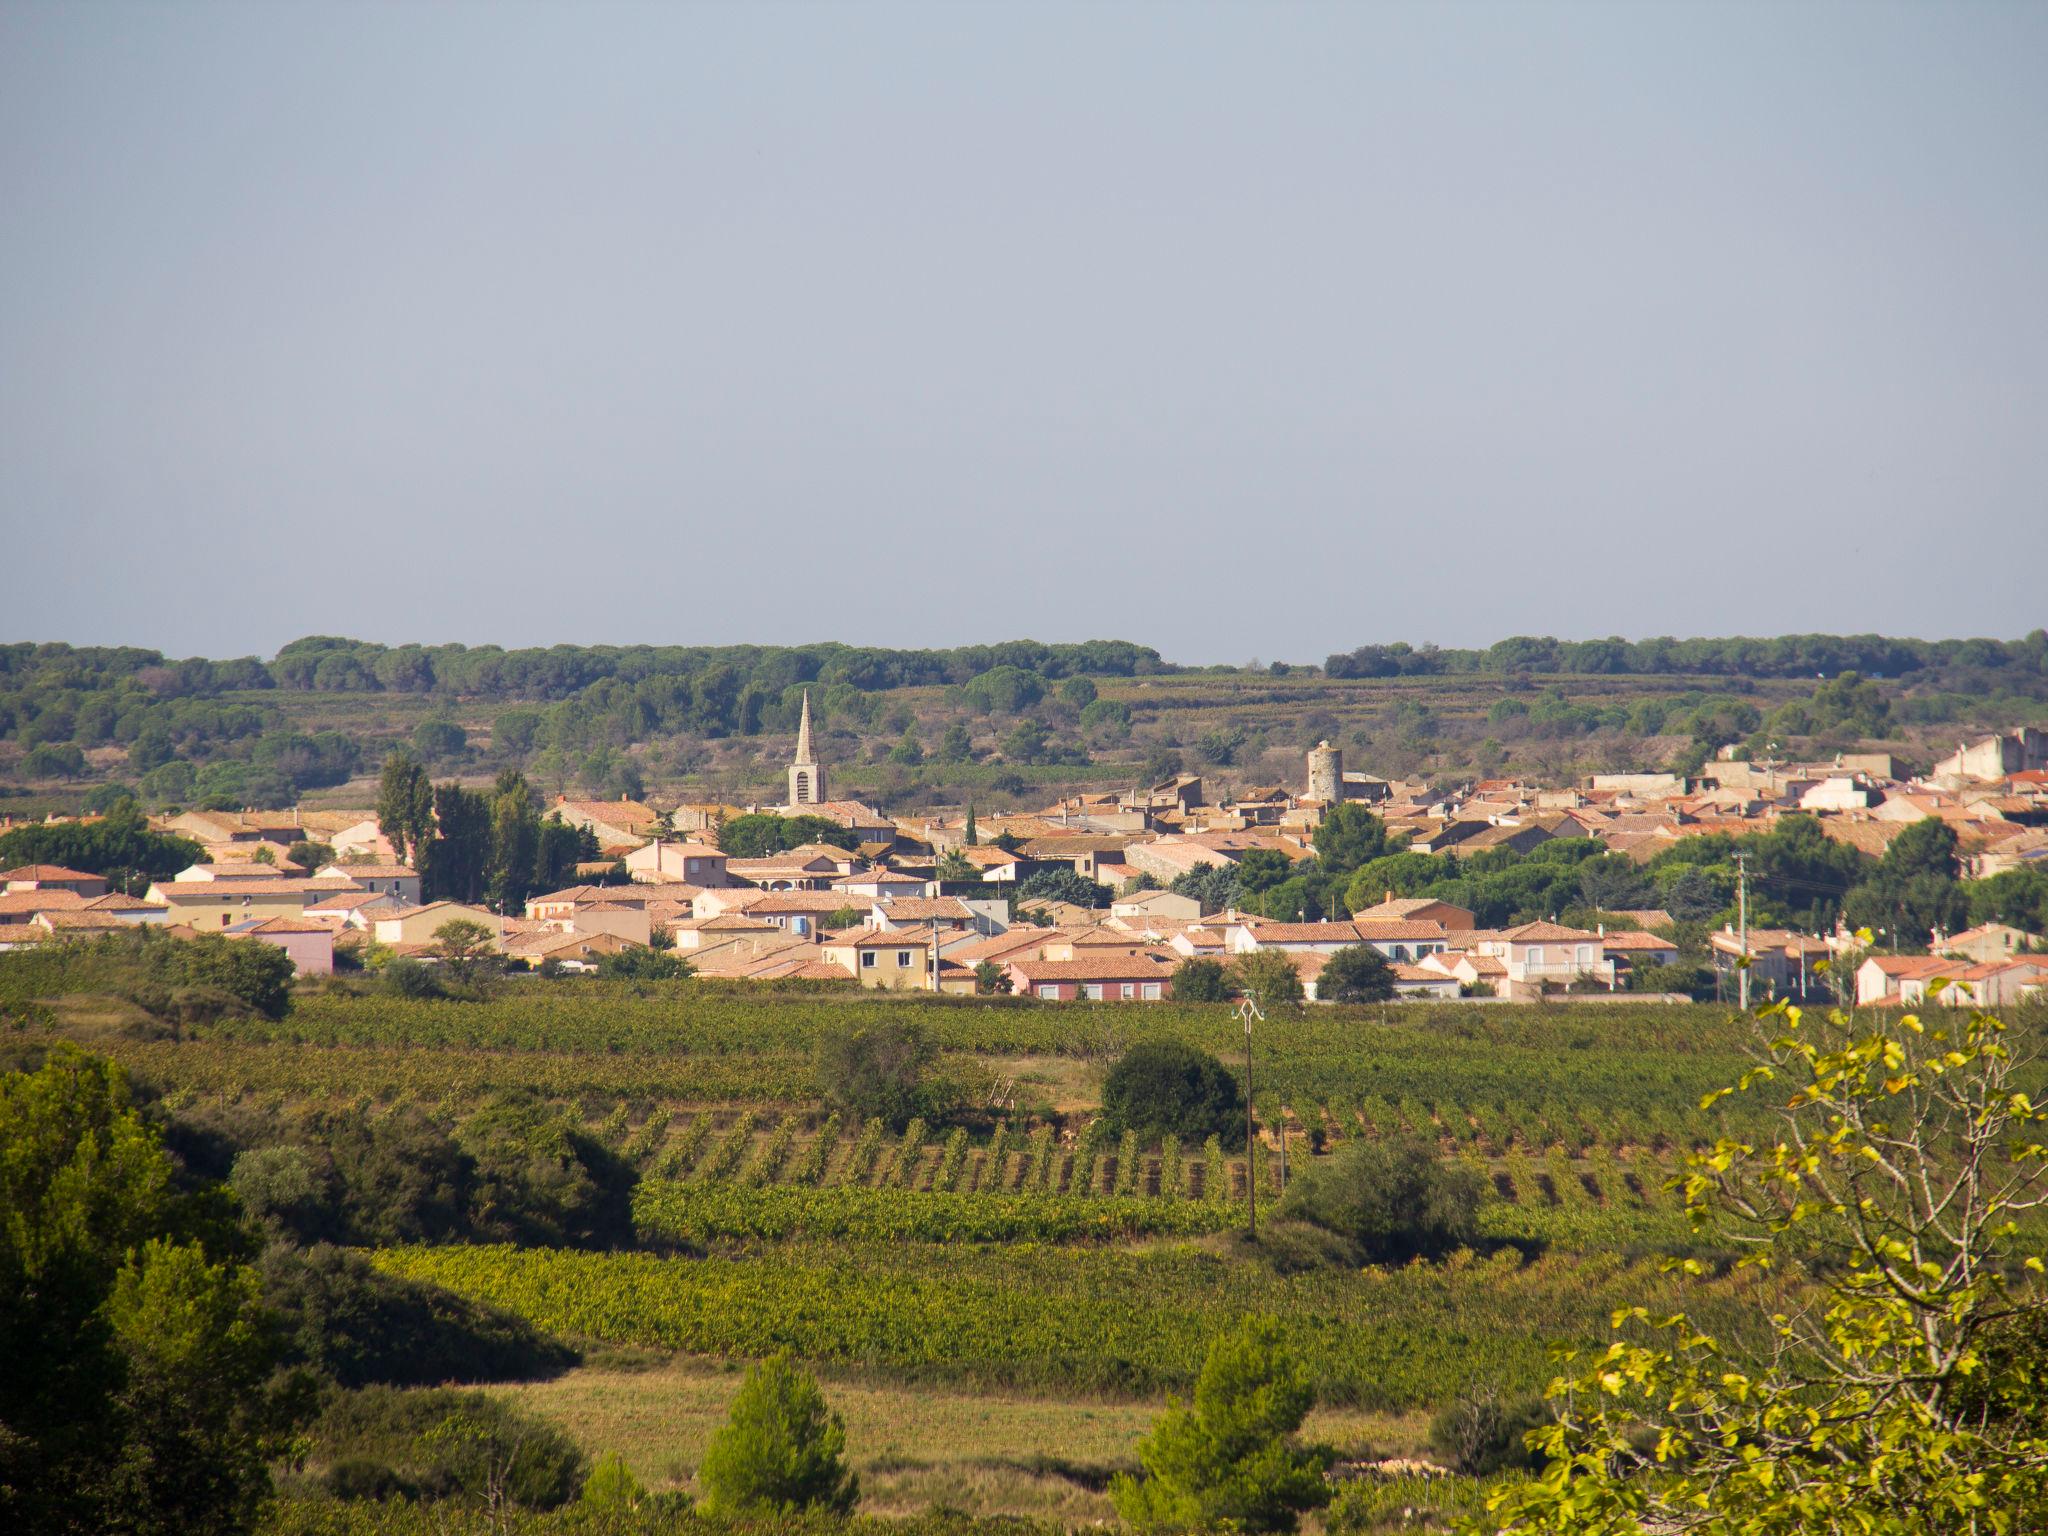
(1326, 773)
(806, 777)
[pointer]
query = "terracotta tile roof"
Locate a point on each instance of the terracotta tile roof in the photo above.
(12, 902)
(880, 938)
(22, 933)
(279, 925)
(1098, 968)
(1419, 975)
(45, 872)
(1317, 933)
(1632, 940)
(375, 871)
(1019, 937)
(1545, 933)
(1381, 931)
(114, 901)
(221, 890)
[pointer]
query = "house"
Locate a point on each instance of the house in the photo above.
(213, 828)
(692, 863)
(704, 933)
(812, 867)
(240, 870)
(1403, 939)
(1987, 942)
(572, 951)
(897, 960)
(1111, 977)
(1781, 962)
(127, 909)
(1294, 938)
(620, 823)
(26, 906)
(948, 914)
(215, 904)
(1425, 983)
(804, 913)
(309, 943)
(1631, 949)
(354, 909)
(1993, 758)
(1417, 909)
(1540, 955)
(414, 927)
(52, 877)
(1167, 904)
(1879, 978)
(361, 839)
(1085, 855)
(397, 880)
(884, 885)
(627, 921)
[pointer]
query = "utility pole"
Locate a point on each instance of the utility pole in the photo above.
(1742, 917)
(1248, 1009)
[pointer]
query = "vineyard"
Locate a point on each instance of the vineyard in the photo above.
(1062, 1318)
(1487, 1080)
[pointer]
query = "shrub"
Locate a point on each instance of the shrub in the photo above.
(1201, 981)
(1358, 973)
(1231, 1457)
(542, 1179)
(445, 1443)
(356, 1325)
(877, 1071)
(612, 1488)
(780, 1450)
(1481, 1434)
(1163, 1088)
(1267, 976)
(1395, 1200)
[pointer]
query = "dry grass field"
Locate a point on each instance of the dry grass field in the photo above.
(915, 1447)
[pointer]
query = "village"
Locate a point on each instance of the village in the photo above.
(944, 903)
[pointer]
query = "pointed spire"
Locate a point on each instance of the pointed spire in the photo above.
(803, 733)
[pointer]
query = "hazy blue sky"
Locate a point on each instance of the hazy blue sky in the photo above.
(1237, 330)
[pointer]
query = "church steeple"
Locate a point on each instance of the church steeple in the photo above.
(806, 777)
(803, 734)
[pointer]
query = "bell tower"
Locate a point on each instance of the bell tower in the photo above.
(806, 776)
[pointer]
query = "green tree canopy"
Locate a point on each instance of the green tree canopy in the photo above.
(1162, 1088)
(781, 1449)
(1231, 1460)
(1357, 973)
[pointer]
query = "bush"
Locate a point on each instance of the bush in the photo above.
(1230, 1461)
(1267, 976)
(780, 1450)
(408, 978)
(877, 1072)
(1395, 1200)
(1162, 1088)
(1358, 973)
(1201, 981)
(612, 1488)
(357, 1326)
(542, 1179)
(445, 1443)
(1481, 1434)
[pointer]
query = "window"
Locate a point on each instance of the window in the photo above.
(1151, 991)
(1129, 991)
(867, 959)
(902, 957)
(1092, 991)
(1585, 954)
(1535, 955)
(1049, 992)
